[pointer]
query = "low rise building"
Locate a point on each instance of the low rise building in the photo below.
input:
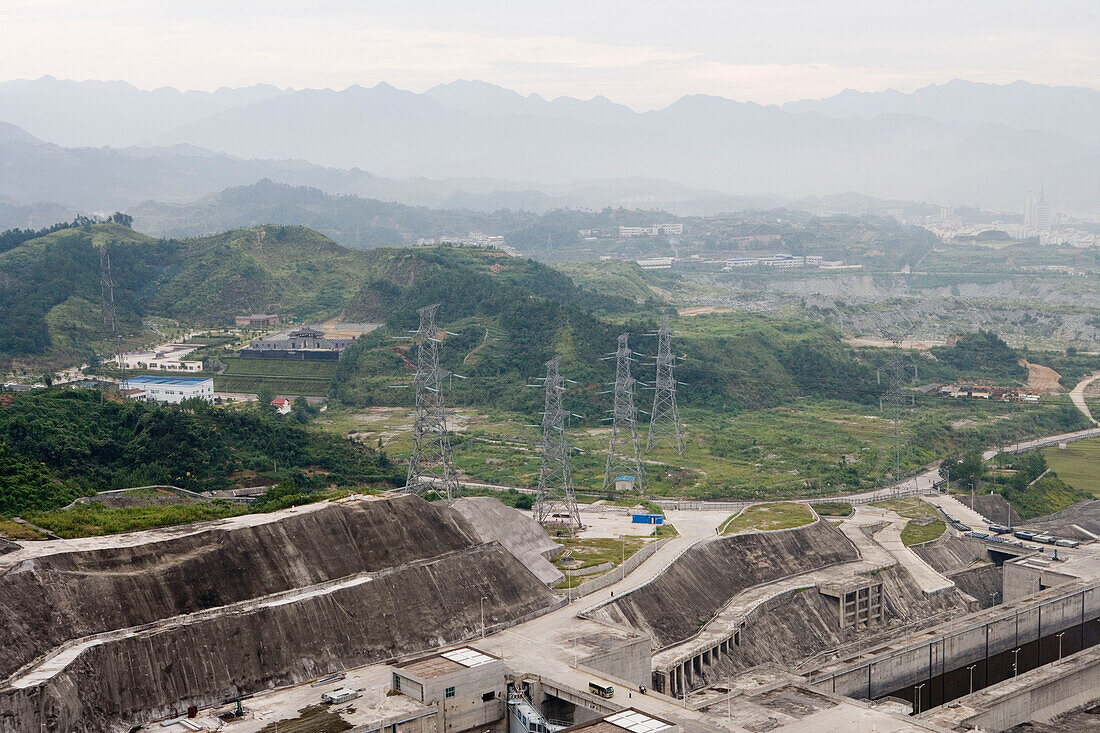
(656, 263)
(466, 685)
(257, 320)
(166, 358)
(628, 720)
(306, 343)
(171, 390)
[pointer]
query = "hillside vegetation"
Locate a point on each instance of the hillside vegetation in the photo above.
(58, 445)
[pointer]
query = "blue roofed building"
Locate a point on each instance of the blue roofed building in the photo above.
(172, 390)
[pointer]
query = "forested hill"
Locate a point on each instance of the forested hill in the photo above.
(50, 285)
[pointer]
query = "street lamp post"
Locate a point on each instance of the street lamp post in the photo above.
(993, 598)
(1060, 635)
(917, 688)
(483, 598)
(1015, 662)
(971, 668)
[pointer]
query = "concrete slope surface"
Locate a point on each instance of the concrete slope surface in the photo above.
(520, 535)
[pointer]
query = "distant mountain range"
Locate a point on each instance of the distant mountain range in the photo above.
(479, 145)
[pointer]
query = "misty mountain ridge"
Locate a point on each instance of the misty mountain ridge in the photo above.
(936, 144)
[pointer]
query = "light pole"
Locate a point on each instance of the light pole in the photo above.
(917, 695)
(993, 598)
(1015, 662)
(1060, 635)
(483, 616)
(971, 668)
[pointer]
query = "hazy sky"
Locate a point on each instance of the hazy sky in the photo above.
(644, 53)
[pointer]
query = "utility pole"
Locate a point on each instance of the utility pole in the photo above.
(664, 419)
(430, 466)
(623, 452)
(556, 502)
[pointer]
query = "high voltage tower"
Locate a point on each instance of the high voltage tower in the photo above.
(664, 419)
(107, 305)
(430, 466)
(623, 453)
(899, 373)
(556, 504)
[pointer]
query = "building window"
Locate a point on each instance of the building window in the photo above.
(397, 683)
(489, 696)
(449, 693)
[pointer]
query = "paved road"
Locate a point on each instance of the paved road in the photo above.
(956, 508)
(1077, 394)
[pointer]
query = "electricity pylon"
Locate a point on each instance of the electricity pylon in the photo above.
(623, 452)
(899, 373)
(430, 466)
(107, 306)
(664, 420)
(556, 504)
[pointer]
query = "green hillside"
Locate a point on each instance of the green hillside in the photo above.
(61, 444)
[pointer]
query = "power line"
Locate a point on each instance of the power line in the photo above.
(430, 465)
(900, 371)
(623, 452)
(664, 419)
(555, 504)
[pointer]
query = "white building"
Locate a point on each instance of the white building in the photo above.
(172, 390)
(656, 263)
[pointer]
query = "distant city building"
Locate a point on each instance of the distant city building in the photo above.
(1041, 217)
(656, 263)
(171, 390)
(652, 230)
(257, 320)
(1029, 209)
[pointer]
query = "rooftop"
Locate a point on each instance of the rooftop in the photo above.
(177, 381)
(629, 719)
(446, 663)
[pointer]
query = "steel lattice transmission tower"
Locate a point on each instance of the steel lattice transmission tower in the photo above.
(107, 305)
(899, 373)
(664, 420)
(430, 466)
(623, 452)
(556, 504)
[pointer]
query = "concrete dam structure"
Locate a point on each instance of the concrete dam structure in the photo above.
(99, 639)
(713, 572)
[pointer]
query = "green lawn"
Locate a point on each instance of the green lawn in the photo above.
(595, 551)
(768, 517)
(833, 509)
(916, 533)
(925, 524)
(1078, 465)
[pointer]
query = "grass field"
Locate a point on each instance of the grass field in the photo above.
(16, 531)
(925, 524)
(916, 533)
(1078, 465)
(590, 552)
(309, 378)
(768, 517)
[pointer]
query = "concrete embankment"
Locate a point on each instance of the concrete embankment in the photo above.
(713, 572)
(47, 600)
(159, 672)
(523, 537)
(106, 638)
